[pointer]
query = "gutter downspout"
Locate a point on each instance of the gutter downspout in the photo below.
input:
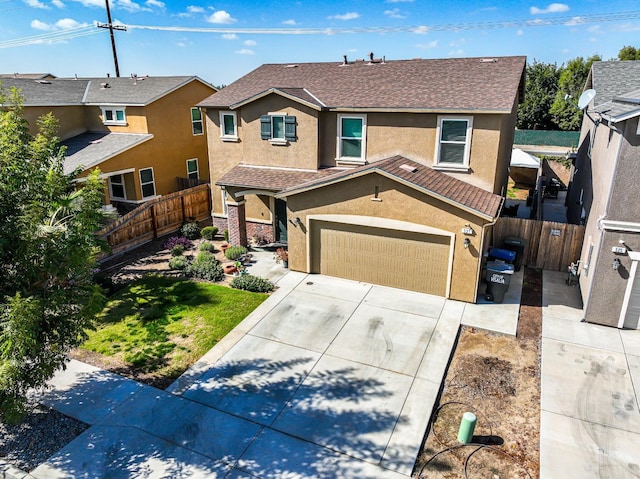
(481, 254)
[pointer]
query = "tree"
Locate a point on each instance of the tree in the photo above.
(629, 53)
(540, 90)
(47, 255)
(564, 111)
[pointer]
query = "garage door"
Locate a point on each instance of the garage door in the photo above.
(400, 259)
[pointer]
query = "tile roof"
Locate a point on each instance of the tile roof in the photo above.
(455, 84)
(90, 149)
(53, 92)
(271, 179)
(421, 177)
(613, 78)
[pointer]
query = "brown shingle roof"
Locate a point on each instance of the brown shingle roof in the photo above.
(455, 84)
(421, 177)
(271, 179)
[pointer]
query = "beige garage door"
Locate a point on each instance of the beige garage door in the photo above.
(400, 259)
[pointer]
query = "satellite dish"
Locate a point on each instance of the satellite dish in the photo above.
(586, 98)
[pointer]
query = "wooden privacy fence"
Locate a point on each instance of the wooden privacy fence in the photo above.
(552, 246)
(158, 217)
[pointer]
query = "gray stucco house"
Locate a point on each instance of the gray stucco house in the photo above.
(605, 196)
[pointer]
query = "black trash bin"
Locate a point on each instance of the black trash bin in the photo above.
(517, 245)
(498, 280)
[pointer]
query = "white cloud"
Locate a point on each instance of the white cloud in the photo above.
(194, 9)
(593, 40)
(38, 25)
(520, 33)
(429, 45)
(245, 51)
(551, 8)
(289, 22)
(57, 3)
(346, 16)
(250, 43)
(131, 6)
(36, 4)
(629, 27)
(91, 3)
(399, 1)
(575, 21)
(595, 29)
(229, 36)
(458, 52)
(221, 17)
(421, 29)
(395, 13)
(155, 3)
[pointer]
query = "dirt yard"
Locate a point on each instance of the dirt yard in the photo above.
(496, 377)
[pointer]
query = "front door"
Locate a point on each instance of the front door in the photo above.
(280, 208)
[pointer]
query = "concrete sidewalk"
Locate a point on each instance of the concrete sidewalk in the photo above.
(590, 419)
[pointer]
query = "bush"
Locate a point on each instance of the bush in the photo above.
(225, 233)
(178, 240)
(234, 252)
(206, 267)
(251, 283)
(177, 250)
(209, 247)
(191, 230)
(178, 262)
(209, 232)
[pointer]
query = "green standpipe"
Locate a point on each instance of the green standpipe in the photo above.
(467, 425)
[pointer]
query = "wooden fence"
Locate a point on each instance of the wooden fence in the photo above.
(158, 217)
(552, 246)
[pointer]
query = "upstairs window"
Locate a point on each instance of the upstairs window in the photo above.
(116, 187)
(113, 115)
(352, 137)
(147, 183)
(228, 126)
(192, 169)
(278, 128)
(196, 121)
(454, 141)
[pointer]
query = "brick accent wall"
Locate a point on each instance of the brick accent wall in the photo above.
(263, 232)
(237, 224)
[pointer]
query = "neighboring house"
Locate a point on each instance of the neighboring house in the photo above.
(604, 196)
(30, 76)
(141, 132)
(388, 172)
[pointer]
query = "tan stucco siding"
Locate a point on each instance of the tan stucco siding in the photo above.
(71, 119)
(398, 202)
(505, 148)
(258, 208)
(135, 117)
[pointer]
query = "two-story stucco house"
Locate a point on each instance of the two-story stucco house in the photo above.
(141, 132)
(388, 172)
(604, 196)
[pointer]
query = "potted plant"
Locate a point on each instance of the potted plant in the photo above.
(282, 255)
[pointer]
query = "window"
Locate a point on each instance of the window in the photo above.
(454, 139)
(116, 187)
(192, 169)
(147, 183)
(228, 128)
(224, 202)
(113, 115)
(352, 137)
(278, 128)
(196, 121)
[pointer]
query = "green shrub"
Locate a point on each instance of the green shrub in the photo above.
(225, 233)
(234, 252)
(251, 283)
(177, 250)
(191, 230)
(209, 247)
(178, 262)
(209, 232)
(206, 267)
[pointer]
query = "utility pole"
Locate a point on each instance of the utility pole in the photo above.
(111, 28)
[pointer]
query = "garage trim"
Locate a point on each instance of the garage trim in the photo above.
(384, 223)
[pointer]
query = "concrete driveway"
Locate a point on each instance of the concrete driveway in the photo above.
(327, 378)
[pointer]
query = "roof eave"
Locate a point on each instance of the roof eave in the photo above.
(449, 111)
(276, 91)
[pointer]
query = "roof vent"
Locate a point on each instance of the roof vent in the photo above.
(291, 66)
(409, 168)
(345, 62)
(375, 60)
(44, 82)
(104, 86)
(488, 60)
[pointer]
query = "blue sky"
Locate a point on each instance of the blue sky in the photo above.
(276, 31)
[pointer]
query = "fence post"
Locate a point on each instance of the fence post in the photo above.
(153, 221)
(184, 215)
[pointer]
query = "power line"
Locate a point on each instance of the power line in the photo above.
(51, 37)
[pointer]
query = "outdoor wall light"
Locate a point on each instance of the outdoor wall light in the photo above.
(467, 242)
(296, 221)
(616, 264)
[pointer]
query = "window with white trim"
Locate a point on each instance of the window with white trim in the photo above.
(116, 187)
(228, 126)
(197, 126)
(192, 169)
(224, 202)
(278, 128)
(147, 183)
(454, 141)
(352, 135)
(113, 115)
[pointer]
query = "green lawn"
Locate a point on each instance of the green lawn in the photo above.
(163, 325)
